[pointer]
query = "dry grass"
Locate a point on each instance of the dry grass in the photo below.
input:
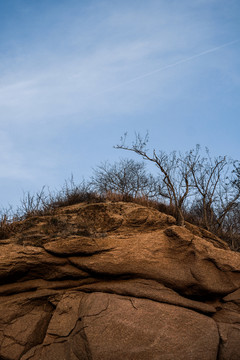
(42, 203)
(8, 225)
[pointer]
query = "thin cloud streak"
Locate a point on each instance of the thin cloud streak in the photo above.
(205, 52)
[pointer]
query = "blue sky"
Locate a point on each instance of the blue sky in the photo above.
(75, 75)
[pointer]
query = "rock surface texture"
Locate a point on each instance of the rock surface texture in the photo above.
(114, 281)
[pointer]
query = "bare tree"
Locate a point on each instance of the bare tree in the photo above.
(227, 200)
(236, 172)
(175, 174)
(126, 177)
(232, 227)
(217, 191)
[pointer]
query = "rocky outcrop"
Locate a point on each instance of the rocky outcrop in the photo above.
(115, 281)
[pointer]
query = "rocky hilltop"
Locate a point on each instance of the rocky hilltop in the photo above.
(114, 281)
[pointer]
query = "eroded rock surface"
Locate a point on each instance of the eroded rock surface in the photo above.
(115, 281)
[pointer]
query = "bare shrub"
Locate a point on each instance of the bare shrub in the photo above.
(33, 204)
(8, 223)
(126, 178)
(42, 202)
(71, 194)
(175, 175)
(202, 189)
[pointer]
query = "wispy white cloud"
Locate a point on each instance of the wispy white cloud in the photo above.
(74, 85)
(106, 61)
(70, 83)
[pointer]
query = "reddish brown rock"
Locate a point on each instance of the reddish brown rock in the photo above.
(117, 281)
(113, 327)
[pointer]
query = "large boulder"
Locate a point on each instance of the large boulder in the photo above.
(108, 326)
(117, 281)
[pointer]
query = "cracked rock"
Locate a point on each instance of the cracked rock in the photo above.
(114, 281)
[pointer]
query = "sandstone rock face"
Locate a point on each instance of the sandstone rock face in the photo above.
(115, 281)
